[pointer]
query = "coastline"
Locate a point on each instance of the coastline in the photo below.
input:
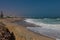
(21, 31)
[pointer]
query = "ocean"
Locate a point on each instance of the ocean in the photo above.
(48, 26)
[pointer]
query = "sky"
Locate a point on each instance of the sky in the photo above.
(31, 8)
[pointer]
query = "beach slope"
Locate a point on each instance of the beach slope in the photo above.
(21, 33)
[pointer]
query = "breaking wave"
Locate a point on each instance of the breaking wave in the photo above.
(49, 27)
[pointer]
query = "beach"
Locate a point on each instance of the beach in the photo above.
(21, 33)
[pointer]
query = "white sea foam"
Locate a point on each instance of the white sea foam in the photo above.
(44, 25)
(48, 29)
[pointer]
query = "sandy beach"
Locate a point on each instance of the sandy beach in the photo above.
(21, 33)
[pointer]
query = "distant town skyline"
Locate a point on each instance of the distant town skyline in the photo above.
(33, 8)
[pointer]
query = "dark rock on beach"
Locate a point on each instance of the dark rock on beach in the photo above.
(26, 24)
(5, 33)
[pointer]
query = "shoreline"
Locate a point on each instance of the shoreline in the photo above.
(27, 24)
(20, 30)
(35, 34)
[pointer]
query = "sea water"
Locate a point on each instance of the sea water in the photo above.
(48, 27)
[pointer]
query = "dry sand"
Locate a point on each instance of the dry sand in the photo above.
(21, 33)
